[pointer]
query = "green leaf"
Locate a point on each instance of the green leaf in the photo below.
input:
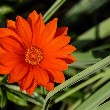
(4, 79)
(0, 91)
(102, 47)
(90, 35)
(35, 98)
(105, 106)
(53, 9)
(5, 9)
(84, 58)
(75, 105)
(70, 71)
(92, 69)
(3, 100)
(83, 6)
(16, 99)
(36, 108)
(72, 91)
(1, 77)
(96, 99)
(103, 80)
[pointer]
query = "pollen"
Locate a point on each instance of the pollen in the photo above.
(33, 55)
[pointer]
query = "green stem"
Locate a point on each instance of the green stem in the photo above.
(65, 95)
(53, 9)
(101, 81)
(78, 102)
(92, 69)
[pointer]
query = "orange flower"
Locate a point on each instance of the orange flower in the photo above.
(33, 53)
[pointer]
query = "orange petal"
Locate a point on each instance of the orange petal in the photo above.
(41, 76)
(32, 87)
(68, 59)
(23, 30)
(10, 59)
(58, 76)
(62, 52)
(11, 25)
(5, 32)
(2, 50)
(48, 32)
(39, 27)
(51, 78)
(5, 70)
(32, 19)
(11, 45)
(55, 64)
(50, 86)
(57, 43)
(18, 73)
(61, 31)
(26, 81)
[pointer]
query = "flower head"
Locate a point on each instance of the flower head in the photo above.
(33, 53)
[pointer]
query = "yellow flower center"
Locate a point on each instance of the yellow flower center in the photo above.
(33, 55)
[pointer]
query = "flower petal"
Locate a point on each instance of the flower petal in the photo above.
(5, 32)
(39, 27)
(58, 76)
(5, 70)
(23, 30)
(40, 76)
(11, 25)
(2, 50)
(50, 86)
(51, 78)
(61, 31)
(60, 41)
(11, 45)
(18, 73)
(68, 59)
(11, 59)
(32, 87)
(55, 64)
(48, 32)
(32, 19)
(25, 82)
(64, 51)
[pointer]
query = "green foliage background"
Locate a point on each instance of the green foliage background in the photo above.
(88, 85)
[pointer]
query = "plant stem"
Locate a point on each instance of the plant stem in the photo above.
(65, 95)
(53, 9)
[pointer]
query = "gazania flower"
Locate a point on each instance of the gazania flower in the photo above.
(32, 53)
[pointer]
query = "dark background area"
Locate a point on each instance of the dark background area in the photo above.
(85, 19)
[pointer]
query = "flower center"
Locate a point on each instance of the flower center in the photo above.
(33, 55)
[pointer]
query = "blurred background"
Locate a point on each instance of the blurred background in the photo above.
(89, 28)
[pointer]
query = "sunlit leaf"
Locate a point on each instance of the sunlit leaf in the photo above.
(35, 98)
(105, 106)
(4, 9)
(90, 35)
(96, 99)
(73, 90)
(16, 99)
(83, 6)
(84, 58)
(3, 100)
(53, 9)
